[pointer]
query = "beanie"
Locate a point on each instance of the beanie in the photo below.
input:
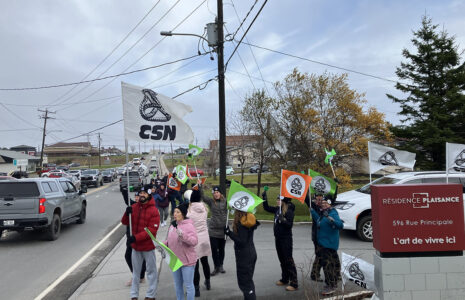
(195, 196)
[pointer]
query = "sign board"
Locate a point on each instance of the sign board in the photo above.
(20, 162)
(418, 218)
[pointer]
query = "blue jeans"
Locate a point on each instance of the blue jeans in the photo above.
(184, 276)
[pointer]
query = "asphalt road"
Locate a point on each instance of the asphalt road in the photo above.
(29, 263)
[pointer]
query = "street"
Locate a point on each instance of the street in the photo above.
(30, 263)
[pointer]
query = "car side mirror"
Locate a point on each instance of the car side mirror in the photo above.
(83, 189)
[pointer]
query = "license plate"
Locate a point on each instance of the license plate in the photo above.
(8, 222)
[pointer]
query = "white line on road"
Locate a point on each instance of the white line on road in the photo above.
(76, 265)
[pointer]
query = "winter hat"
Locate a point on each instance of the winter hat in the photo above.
(146, 188)
(287, 200)
(216, 189)
(183, 208)
(187, 195)
(195, 196)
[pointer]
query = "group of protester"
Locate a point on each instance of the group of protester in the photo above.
(192, 239)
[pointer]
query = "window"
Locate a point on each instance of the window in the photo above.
(64, 186)
(46, 187)
(19, 189)
(53, 186)
(71, 187)
(413, 181)
(435, 180)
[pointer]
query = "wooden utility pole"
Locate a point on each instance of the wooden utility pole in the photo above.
(221, 96)
(45, 117)
(99, 158)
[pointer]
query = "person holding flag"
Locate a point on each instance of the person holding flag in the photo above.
(162, 202)
(219, 212)
(283, 221)
(143, 215)
(174, 186)
(244, 203)
(182, 239)
(328, 226)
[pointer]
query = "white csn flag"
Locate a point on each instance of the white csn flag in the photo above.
(455, 158)
(358, 271)
(153, 117)
(380, 157)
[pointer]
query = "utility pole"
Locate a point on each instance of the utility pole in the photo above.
(45, 117)
(221, 96)
(99, 158)
(88, 150)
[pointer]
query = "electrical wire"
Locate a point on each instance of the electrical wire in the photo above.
(245, 18)
(16, 115)
(245, 33)
(102, 78)
(321, 63)
(111, 52)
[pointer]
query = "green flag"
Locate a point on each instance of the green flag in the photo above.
(194, 151)
(321, 184)
(242, 199)
(170, 258)
(181, 173)
(329, 155)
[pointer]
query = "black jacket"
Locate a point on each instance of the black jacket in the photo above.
(282, 224)
(243, 239)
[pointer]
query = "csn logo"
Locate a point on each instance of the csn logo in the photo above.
(151, 110)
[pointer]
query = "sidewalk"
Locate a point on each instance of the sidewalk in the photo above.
(109, 278)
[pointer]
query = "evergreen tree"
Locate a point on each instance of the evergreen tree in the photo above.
(433, 80)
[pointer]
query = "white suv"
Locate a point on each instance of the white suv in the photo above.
(354, 207)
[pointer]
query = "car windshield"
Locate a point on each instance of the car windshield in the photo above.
(74, 171)
(106, 172)
(383, 180)
(89, 172)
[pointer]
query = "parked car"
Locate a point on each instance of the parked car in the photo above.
(135, 180)
(136, 161)
(120, 171)
(47, 168)
(56, 173)
(107, 176)
(76, 173)
(92, 177)
(229, 171)
(153, 169)
(193, 173)
(113, 172)
(74, 165)
(41, 203)
(153, 158)
(255, 168)
(64, 168)
(19, 174)
(354, 207)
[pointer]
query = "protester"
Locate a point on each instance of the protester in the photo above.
(128, 253)
(242, 234)
(173, 195)
(162, 202)
(143, 215)
(315, 204)
(219, 210)
(328, 226)
(182, 239)
(198, 213)
(283, 221)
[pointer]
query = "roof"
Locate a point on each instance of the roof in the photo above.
(17, 155)
(80, 144)
(235, 140)
(22, 147)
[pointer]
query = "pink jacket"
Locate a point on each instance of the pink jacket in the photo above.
(198, 213)
(182, 241)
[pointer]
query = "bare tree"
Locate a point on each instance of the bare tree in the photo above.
(240, 127)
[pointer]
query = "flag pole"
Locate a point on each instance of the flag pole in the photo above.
(280, 191)
(127, 179)
(196, 172)
(331, 164)
(227, 223)
(369, 161)
(447, 162)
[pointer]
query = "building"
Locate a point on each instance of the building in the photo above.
(236, 155)
(235, 140)
(29, 150)
(7, 158)
(181, 151)
(70, 149)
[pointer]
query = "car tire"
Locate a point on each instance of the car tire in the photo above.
(365, 229)
(54, 229)
(82, 215)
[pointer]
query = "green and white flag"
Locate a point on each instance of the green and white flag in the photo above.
(329, 155)
(321, 184)
(181, 173)
(194, 151)
(242, 199)
(170, 258)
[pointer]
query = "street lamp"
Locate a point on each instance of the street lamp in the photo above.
(215, 38)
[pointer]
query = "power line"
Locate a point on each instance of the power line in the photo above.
(64, 104)
(17, 116)
(23, 129)
(108, 125)
(320, 63)
(245, 33)
(112, 51)
(102, 78)
(245, 18)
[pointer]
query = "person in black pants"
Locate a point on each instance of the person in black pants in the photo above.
(128, 253)
(244, 226)
(283, 221)
(315, 205)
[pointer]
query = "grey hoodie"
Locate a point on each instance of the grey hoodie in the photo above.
(219, 210)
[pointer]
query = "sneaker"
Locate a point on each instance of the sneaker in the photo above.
(290, 288)
(327, 290)
(162, 224)
(280, 283)
(216, 271)
(197, 291)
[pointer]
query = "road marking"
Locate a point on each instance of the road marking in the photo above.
(98, 189)
(76, 265)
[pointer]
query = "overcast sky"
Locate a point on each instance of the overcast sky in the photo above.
(53, 42)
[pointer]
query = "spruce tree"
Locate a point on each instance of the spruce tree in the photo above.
(433, 81)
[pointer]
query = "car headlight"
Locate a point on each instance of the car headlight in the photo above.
(344, 206)
(93, 177)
